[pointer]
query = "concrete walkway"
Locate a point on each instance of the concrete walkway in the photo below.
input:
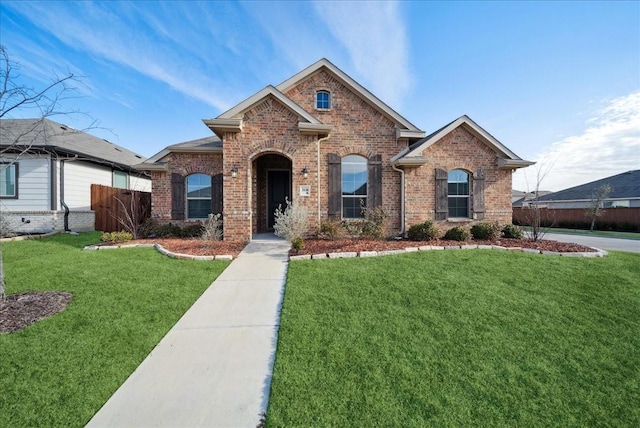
(213, 368)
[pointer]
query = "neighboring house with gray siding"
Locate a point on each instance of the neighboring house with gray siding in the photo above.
(625, 193)
(47, 169)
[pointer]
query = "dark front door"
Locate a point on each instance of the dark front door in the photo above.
(278, 190)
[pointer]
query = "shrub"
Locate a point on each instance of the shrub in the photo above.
(191, 231)
(329, 229)
(458, 233)
(212, 228)
(374, 225)
(291, 222)
(297, 244)
(115, 237)
(512, 231)
(426, 231)
(149, 228)
(489, 231)
(168, 231)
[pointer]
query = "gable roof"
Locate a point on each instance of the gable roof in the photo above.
(623, 186)
(412, 155)
(410, 129)
(231, 120)
(46, 135)
(211, 144)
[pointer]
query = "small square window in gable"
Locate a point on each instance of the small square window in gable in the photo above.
(323, 100)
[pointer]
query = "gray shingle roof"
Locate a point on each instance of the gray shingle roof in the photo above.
(625, 185)
(47, 135)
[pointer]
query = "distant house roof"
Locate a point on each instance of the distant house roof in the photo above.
(45, 135)
(625, 185)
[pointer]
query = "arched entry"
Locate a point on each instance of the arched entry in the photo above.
(272, 186)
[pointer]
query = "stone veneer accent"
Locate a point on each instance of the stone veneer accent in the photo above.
(48, 221)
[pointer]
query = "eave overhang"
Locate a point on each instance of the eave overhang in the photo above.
(319, 129)
(513, 163)
(221, 125)
(409, 162)
(410, 134)
(158, 166)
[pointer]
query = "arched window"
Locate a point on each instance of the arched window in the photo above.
(198, 196)
(323, 100)
(354, 186)
(458, 193)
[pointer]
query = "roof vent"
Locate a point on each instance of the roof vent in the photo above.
(117, 149)
(64, 128)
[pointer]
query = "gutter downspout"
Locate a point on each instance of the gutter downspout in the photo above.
(318, 176)
(62, 203)
(402, 199)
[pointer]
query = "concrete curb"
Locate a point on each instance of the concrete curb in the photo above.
(351, 254)
(161, 250)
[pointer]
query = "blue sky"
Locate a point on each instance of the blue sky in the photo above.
(556, 82)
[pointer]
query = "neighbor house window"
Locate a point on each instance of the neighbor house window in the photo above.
(120, 180)
(458, 193)
(9, 180)
(198, 196)
(354, 186)
(323, 101)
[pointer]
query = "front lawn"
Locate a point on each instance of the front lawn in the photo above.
(459, 338)
(61, 370)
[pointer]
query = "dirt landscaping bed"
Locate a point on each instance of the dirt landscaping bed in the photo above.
(324, 246)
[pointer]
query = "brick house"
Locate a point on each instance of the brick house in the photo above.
(323, 140)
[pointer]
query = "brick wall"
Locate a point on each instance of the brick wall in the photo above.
(183, 164)
(357, 129)
(270, 138)
(458, 150)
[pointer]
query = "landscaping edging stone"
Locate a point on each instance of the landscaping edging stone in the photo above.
(161, 250)
(336, 255)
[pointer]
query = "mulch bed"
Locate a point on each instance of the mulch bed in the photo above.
(195, 247)
(18, 311)
(323, 246)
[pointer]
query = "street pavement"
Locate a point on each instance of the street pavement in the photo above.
(603, 243)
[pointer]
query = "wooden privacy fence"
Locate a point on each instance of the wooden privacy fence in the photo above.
(624, 219)
(111, 204)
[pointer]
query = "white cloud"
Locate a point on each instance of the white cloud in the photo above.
(609, 145)
(114, 34)
(374, 35)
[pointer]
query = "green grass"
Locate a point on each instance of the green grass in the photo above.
(459, 338)
(60, 371)
(604, 233)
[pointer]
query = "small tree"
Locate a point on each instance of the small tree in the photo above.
(16, 97)
(596, 205)
(132, 212)
(532, 209)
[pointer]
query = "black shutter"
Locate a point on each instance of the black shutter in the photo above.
(442, 203)
(335, 186)
(478, 195)
(177, 196)
(216, 194)
(375, 182)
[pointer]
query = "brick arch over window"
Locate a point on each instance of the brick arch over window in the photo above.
(374, 183)
(477, 187)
